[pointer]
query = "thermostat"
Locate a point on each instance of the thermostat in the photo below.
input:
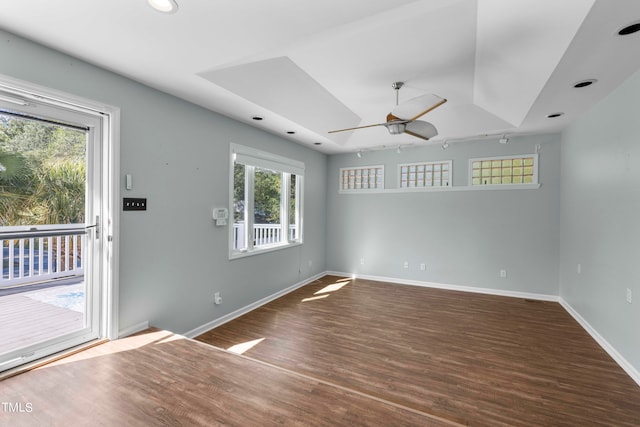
(220, 215)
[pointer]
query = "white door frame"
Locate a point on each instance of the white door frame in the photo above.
(14, 90)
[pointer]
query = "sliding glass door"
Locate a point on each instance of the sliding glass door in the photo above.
(50, 227)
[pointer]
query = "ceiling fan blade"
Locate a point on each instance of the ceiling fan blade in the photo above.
(418, 106)
(421, 129)
(359, 127)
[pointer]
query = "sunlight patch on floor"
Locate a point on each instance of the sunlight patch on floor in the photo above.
(245, 346)
(333, 287)
(315, 298)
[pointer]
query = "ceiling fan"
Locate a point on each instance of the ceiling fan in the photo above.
(403, 118)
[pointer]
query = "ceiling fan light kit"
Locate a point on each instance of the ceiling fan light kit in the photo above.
(164, 6)
(404, 118)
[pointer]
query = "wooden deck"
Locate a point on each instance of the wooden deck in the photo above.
(25, 320)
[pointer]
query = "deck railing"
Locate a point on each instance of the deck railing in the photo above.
(263, 234)
(45, 252)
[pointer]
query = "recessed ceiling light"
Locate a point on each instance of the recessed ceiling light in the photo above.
(164, 6)
(257, 118)
(629, 29)
(290, 132)
(554, 115)
(584, 83)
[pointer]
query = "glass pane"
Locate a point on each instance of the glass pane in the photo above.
(43, 182)
(239, 231)
(267, 228)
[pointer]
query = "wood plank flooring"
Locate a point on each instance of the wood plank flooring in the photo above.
(473, 359)
(158, 378)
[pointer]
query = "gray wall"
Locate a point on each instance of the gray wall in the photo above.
(172, 257)
(599, 218)
(464, 237)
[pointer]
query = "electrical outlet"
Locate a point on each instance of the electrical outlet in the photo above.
(423, 266)
(362, 261)
(629, 296)
(503, 274)
(406, 264)
(579, 269)
(217, 298)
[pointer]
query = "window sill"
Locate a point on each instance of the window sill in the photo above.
(485, 187)
(233, 254)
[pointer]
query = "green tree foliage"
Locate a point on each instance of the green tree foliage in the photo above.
(42, 173)
(267, 188)
(267, 196)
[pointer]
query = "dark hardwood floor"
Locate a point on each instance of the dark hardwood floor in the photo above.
(469, 358)
(160, 379)
(343, 353)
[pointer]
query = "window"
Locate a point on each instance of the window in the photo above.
(362, 178)
(425, 174)
(507, 170)
(266, 201)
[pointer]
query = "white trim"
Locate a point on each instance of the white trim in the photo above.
(615, 355)
(246, 309)
(263, 159)
(446, 189)
(138, 327)
(461, 288)
(252, 158)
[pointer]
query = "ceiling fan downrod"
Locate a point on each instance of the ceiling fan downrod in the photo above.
(397, 86)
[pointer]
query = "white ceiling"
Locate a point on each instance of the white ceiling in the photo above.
(311, 67)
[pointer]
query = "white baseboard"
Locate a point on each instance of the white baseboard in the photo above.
(619, 359)
(244, 310)
(133, 329)
(488, 291)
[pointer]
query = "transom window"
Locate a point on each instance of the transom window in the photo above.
(425, 174)
(508, 170)
(362, 178)
(266, 201)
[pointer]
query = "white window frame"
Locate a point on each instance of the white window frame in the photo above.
(533, 184)
(449, 180)
(341, 188)
(253, 158)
